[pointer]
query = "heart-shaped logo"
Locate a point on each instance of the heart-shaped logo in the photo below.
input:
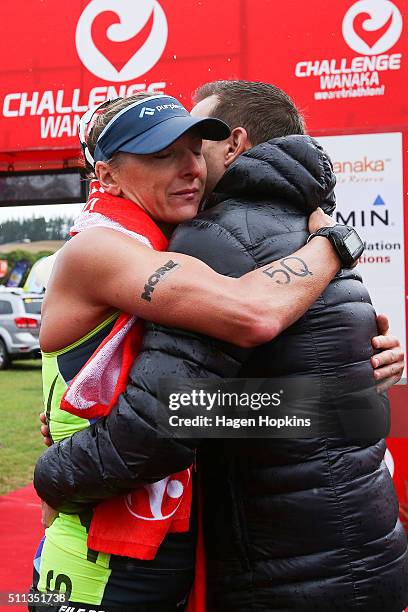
(117, 52)
(370, 37)
(118, 40)
(371, 27)
(160, 500)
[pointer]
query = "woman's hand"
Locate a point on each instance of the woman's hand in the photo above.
(45, 430)
(48, 515)
(389, 363)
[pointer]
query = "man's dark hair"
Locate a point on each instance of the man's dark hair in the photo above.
(265, 111)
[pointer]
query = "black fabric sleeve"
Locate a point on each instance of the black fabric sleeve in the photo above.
(123, 450)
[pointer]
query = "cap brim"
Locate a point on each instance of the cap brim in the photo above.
(165, 133)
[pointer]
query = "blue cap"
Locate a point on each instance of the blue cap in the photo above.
(152, 124)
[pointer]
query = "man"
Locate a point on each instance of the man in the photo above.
(274, 565)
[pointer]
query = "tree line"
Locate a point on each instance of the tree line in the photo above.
(36, 228)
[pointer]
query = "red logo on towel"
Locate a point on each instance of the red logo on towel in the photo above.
(159, 500)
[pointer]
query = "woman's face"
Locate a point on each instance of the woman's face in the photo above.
(168, 185)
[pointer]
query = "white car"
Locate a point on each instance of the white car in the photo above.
(20, 320)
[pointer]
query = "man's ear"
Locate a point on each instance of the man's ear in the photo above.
(238, 143)
(107, 178)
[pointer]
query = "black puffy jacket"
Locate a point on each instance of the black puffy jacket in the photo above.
(305, 524)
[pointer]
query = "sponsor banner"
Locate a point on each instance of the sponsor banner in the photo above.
(86, 52)
(17, 273)
(370, 197)
(343, 62)
(344, 74)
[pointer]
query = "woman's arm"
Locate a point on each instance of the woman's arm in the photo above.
(126, 449)
(181, 291)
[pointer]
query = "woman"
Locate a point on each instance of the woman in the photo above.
(148, 161)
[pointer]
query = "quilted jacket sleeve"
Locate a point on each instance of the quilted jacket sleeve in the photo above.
(123, 450)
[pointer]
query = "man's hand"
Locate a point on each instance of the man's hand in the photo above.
(45, 430)
(389, 363)
(319, 219)
(48, 515)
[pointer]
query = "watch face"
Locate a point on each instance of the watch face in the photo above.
(352, 242)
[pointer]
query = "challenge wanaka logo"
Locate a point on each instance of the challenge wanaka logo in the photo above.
(119, 40)
(371, 27)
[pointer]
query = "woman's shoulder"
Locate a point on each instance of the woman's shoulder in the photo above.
(95, 249)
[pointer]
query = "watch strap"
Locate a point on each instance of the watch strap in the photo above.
(338, 234)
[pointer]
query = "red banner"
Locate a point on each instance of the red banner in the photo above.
(85, 52)
(343, 62)
(397, 461)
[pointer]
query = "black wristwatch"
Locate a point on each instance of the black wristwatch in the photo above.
(346, 242)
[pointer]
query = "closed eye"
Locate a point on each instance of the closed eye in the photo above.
(162, 155)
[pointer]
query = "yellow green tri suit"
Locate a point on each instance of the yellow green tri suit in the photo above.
(63, 562)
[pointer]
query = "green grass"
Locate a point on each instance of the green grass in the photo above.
(20, 438)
